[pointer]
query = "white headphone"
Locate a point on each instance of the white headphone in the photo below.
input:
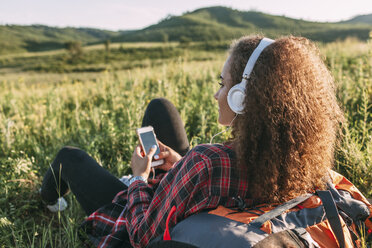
(236, 95)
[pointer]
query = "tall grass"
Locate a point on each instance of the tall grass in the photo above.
(351, 64)
(100, 115)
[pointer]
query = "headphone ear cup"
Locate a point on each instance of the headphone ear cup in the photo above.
(235, 98)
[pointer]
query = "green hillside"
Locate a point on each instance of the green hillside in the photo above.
(220, 23)
(15, 38)
(367, 19)
(206, 24)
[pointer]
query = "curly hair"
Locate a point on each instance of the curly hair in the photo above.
(285, 138)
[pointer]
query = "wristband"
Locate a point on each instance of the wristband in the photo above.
(136, 178)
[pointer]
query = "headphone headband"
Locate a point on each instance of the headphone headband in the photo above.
(253, 58)
(236, 95)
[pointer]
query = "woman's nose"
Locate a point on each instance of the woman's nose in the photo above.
(216, 95)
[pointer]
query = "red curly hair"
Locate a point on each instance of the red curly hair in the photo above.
(286, 136)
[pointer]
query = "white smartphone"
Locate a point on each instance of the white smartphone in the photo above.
(147, 139)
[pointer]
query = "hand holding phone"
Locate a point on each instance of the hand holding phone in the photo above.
(147, 139)
(169, 155)
(140, 163)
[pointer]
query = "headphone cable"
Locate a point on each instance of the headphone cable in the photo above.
(227, 129)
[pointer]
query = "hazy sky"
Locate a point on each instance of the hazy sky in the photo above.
(135, 14)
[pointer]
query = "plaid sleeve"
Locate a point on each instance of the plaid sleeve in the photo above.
(186, 186)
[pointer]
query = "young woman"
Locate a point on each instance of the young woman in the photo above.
(284, 125)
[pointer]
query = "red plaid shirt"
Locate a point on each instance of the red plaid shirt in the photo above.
(207, 176)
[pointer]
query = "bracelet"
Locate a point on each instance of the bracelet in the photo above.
(136, 178)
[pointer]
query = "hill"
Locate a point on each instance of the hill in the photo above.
(220, 23)
(206, 24)
(15, 38)
(367, 19)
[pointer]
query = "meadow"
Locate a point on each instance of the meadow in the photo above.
(97, 102)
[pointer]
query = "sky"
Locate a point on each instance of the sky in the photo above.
(137, 14)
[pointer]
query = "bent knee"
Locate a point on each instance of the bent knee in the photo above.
(69, 150)
(159, 103)
(70, 153)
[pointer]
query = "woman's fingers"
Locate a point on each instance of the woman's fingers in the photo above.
(151, 152)
(162, 146)
(162, 155)
(138, 150)
(141, 165)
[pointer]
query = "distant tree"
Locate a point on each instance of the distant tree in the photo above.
(107, 46)
(184, 41)
(107, 49)
(218, 37)
(164, 37)
(74, 49)
(121, 48)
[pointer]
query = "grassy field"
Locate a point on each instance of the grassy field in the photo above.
(41, 111)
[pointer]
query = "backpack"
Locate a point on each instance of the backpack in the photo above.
(331, 218)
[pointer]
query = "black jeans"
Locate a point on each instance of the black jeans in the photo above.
(93, 185)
